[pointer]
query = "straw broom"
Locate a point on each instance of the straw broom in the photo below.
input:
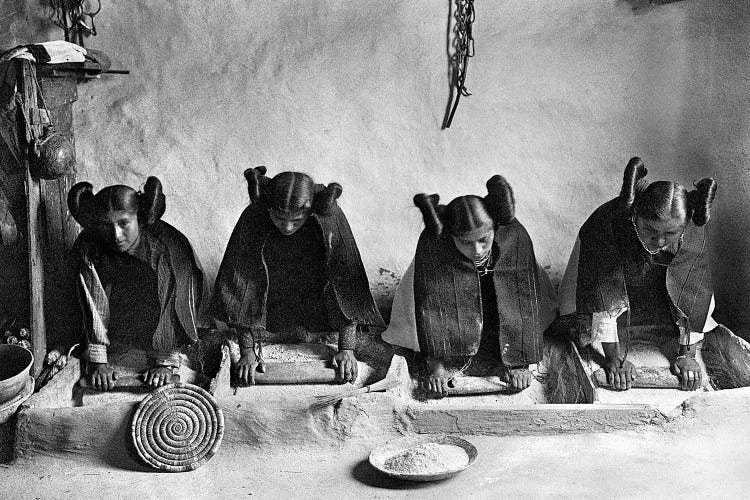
(323, 401)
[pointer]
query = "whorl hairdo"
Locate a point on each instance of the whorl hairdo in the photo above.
(256, 183)
(633, 181)
(500, 201)
(291, 192)
(701, 199)
(325, 198)
(80, 198)
(662, 200)
(149, 204)
(467, 213)
(428, 204)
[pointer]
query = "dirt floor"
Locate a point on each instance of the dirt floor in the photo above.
(704, 454)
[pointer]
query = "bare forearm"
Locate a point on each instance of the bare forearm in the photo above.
(249, 337)
(165, 358)
(611, 350)
(688, 350)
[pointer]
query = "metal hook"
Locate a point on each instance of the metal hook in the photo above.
(98, 8)
(85, 27)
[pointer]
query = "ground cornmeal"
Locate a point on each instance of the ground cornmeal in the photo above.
(428, 458)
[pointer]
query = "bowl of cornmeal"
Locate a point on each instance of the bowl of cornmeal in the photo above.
(423, 458)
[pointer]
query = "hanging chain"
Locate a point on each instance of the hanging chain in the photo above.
(463, 43)
(70, 15)
(463, 49)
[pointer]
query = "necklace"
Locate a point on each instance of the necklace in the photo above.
(651, 252)
(483, 265)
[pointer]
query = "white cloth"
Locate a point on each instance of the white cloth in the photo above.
(58, 51)
(604, 324)
(402, 329)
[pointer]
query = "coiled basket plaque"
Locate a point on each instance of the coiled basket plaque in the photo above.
(177, 428)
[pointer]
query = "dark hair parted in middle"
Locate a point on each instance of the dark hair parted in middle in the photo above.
(291, 192)
(149, 204)
(665, 200)
(467, 213)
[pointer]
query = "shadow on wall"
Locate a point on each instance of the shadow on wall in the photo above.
(383, 287)
(713, 135)
(641, 6)
(695, 113)
(449, 63)
(20, 20)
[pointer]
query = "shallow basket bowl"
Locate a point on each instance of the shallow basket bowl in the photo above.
(379, 455)
(15, 364)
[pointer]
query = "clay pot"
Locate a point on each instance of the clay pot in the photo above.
(52, 157)
(15, 366)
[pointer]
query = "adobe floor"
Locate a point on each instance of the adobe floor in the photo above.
(704, 454)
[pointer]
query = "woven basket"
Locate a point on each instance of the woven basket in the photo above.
(177, 428)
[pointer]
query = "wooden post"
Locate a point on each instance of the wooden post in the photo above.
(62, 311)
(34, 224)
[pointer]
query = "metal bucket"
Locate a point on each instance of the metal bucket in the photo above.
(15, 366)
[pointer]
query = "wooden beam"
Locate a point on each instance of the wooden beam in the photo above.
(34, 222)
(36, 273)
(62, 312)
(584, 375)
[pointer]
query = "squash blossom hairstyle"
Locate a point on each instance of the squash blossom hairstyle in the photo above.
(85, 206)
(468, 213)
(665, 200)
(291, 192)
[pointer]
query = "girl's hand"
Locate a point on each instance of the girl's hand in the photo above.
(247, 366)
(689, 372)
(102, 377)
(158, 376)
(435, 378)
(346, 365)
(520, 378)
(620, 374)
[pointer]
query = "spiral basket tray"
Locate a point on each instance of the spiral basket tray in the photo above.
(177, 428)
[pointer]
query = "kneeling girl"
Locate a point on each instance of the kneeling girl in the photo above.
(473, 291)
(139, 282)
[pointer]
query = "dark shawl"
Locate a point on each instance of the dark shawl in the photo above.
(448, 303)
(608, 239)
(239, 297)
(191, 289)
(181, 285)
